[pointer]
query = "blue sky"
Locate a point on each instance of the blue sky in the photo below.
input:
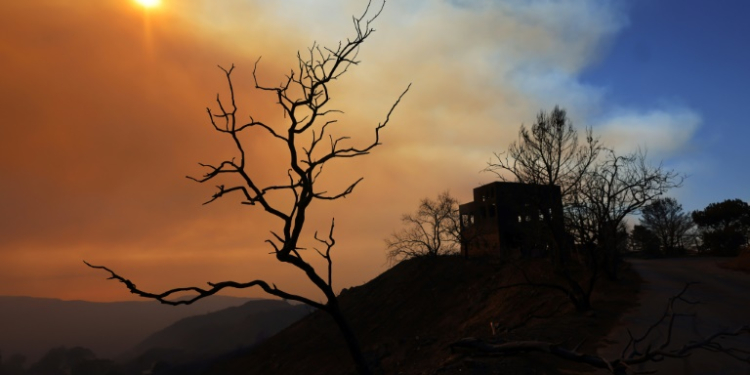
(691, 54)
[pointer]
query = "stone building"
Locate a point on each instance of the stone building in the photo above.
(510, 219)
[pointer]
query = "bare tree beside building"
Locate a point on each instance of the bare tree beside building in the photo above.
(550, 153)
(598, 189)
(431, 231)
(617, 186)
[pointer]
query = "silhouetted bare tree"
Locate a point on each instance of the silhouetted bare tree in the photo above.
(665, 218)
(550, 153)
(599, 189)
(617, 186)
(433, 230)
(307, 138)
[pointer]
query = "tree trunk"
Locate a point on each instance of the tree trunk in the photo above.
(562, 248)
(351, 340)
(577, 295)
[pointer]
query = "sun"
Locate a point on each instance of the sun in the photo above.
(148, 3)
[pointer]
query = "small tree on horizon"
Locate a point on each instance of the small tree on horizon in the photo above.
(433, 230)
(666, 219)
(309, 139)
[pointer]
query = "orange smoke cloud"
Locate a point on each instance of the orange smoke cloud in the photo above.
(104, 114)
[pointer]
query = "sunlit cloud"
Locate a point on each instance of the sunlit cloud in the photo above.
(663, 133)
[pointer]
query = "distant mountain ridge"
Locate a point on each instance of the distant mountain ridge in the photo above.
(193, 340)
(31, 326)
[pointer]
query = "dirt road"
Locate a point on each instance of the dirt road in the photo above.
(724, 297)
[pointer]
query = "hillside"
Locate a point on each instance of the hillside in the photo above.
(407, 318)
(31, 326)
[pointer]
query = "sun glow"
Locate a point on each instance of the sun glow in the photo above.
(148, 3)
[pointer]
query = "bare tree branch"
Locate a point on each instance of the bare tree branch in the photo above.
(303, 96)
(201, 293)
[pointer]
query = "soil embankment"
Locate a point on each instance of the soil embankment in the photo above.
(407, 318)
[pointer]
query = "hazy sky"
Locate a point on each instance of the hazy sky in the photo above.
(103, 116)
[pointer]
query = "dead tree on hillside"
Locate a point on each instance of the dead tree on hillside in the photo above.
(665, 218)
(432, 231)
(613, 188)
(617, 186)
(550, 153)
(599, 188)
(633, 353)
(308, 141)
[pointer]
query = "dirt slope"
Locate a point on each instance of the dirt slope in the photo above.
(407, 318)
